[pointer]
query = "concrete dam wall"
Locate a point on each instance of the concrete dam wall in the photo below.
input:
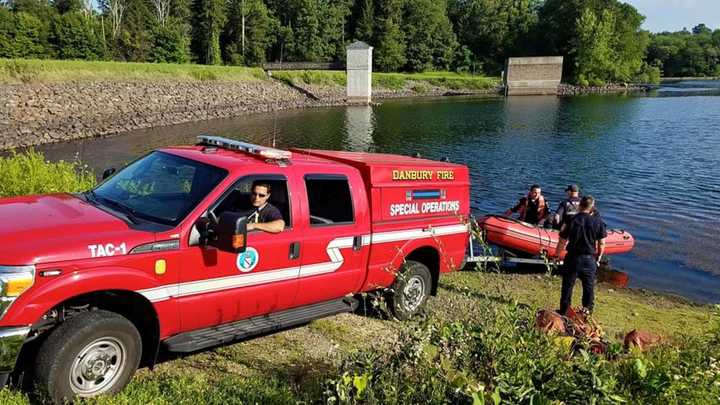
(533, 75)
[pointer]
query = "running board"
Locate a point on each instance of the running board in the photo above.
(259, 325)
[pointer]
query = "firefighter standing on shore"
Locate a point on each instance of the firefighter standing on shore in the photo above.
(584, 237)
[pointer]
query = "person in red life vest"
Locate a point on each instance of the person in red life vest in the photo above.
(584, 237)
(266, 217)
(532, 208)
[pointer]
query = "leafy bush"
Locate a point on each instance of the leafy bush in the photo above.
(22, 35)
(170, 44)
(76, 37)
(504, 359)
(650, 74)
(29, 173)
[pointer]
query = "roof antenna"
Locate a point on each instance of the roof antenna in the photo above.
(416, 155)
(274, 135)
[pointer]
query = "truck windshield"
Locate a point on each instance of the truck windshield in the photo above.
(159, 187)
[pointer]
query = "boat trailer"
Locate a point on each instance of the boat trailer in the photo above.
(480, 252)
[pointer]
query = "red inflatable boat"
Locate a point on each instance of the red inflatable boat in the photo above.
(517, 236)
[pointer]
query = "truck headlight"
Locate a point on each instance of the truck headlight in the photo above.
(14, 280)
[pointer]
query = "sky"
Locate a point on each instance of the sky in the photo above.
(673, 15)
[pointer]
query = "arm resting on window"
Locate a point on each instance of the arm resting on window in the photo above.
(275, 226)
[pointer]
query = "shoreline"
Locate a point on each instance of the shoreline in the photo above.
(569, 90)
(43, 113)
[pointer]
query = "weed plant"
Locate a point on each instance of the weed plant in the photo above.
(29, 173)
(502, 358)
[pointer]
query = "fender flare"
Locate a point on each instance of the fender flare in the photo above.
(34, 303)
(406, 249)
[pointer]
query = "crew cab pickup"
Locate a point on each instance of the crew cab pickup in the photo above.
(158, 257)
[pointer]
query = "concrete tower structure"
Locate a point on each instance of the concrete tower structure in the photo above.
(359, 72)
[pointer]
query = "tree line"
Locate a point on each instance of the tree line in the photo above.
(601, 39)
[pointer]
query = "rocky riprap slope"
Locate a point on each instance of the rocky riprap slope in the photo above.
(32, 114)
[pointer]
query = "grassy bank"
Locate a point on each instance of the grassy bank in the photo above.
(476, 344)
(335, 357)
(13, 71)
(391, 81)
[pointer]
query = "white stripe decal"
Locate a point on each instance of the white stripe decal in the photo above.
(307, 270)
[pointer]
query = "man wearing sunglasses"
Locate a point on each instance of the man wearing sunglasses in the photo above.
(266, 217)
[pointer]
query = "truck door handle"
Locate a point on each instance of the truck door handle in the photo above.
(294, 250)
(357, 243)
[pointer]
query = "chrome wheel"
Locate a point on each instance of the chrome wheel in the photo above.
(413, 293)
(97, 367)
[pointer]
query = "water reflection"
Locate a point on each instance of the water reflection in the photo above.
(359, 128)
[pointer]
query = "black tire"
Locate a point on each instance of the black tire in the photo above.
(108, 344)
(410, 291)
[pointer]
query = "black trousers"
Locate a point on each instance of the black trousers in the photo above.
(583, 267)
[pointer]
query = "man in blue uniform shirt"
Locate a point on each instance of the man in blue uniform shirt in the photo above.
(266, 217)
(584, 237)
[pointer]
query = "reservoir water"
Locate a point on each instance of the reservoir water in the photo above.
(652, 161)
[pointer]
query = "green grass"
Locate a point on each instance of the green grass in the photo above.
(14, 71)
(313, 77)
(618, 310)
(391, 81)
(450, 80)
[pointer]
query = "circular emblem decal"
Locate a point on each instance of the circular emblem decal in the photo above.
(247, 260)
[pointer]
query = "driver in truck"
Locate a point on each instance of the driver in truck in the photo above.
(266, 216)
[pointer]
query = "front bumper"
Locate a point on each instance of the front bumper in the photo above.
(11, 341)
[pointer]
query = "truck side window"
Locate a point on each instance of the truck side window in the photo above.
(238, 197)
(329, 199)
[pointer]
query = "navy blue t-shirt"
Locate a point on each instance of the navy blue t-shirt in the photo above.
(267, 213)
(582, 233)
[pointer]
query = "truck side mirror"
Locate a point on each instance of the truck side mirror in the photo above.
(230, 232)
(108, 172)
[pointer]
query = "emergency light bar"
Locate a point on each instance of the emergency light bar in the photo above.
(231, 144)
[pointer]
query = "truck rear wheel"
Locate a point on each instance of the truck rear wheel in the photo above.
(410, 290)
(92, 353)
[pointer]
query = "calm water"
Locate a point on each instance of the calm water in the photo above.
(652, 161)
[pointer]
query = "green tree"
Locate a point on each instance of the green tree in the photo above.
(75, 36)
(594, 57)
(208, 21)
(431, 43)
(686, 54)
(170, 43)
(494, 30)
(23, 35)
(562, 27)
(365, 17)
(66, 6)
(389, 38)
(136, 35)
(247, 33)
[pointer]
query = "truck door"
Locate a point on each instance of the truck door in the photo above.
(219, 286)
(336, 235)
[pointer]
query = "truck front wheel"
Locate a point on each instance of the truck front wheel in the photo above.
(92, 353)
(410, 291)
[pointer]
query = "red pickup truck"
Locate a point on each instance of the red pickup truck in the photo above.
(159, 255)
